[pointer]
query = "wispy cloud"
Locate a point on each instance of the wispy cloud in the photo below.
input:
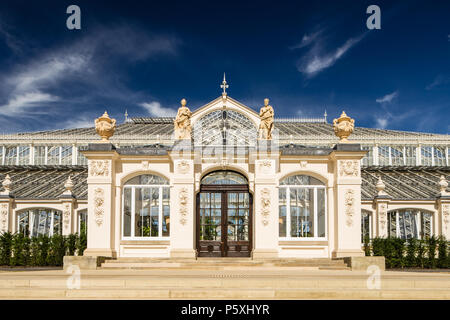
(155, 109)
(19, 104)
(388, 98)
(317, 59)
(438, 81)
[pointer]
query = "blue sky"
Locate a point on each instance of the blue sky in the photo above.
(306, 56)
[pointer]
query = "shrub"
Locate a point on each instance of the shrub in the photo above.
(43, 248)
(367, 245)
(57, 250)
(5, 248)
(398, 251)
(411, 250)
(378, 246)
(20, 250)
(420, 258)
(431, 252)
(71, 242)
(81, 243)
(34, 251)
(442, 253)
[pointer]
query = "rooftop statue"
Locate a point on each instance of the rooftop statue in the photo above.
(343, 127)
(182, 123)
(105, 127)
(266, 115)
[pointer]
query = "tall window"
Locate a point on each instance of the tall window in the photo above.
(383, 155)
(366, 224)
(368, 159)
(53, 155)
(81, 160)
(439, 156)
(302, 207)
(39, 155)
(10, 155)
(42, 221)
(24, 154)
(66, 155)
(426, 155)
(146, 210)
(410, 223)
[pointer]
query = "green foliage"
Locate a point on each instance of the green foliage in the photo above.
(398, 251)
(378, 246)
(71, 243)
(442, 253)
(81, 243)
(57, 250)
(5, 248)
(367, 245)
(420, 258)
(411, 250)
(431, 252)
(20, 250)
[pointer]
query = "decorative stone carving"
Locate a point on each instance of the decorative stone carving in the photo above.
(266, 115)
(182, 123)
(99, 201)
(443, 184)
(183, 166)
(265, 165)
(184, 199)
(380, 187)
(349, 200)
(145, 165)
(265, 205)
(348, 168)
(69, 186)
(303, 164)
(446, 215)
(343, 127)
(66, 216)
(105, 127)
(382, 215)
(99, 168)
(6, 185)
(4, 217)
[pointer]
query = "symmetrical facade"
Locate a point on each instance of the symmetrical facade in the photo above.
(225, 180)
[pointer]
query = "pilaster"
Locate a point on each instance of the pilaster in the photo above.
(6, 205)
(443, 206)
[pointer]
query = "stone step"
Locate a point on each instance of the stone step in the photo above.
(219, 293)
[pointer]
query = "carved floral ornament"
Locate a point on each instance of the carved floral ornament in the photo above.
(265, 205)
(265, 165)
(348, 168)
(303, 164)
(349, 200)
(446, 215)
(66, 216)
(145, 165)
(99, 168)
(4, 216)
(382, 213)
(184, 199)
(99, 201)
(183, 166)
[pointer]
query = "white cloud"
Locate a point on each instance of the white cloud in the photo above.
(155, 110)
(387, 98)
(316, 60)
(19, 104)
(307, 40)
(381, 123)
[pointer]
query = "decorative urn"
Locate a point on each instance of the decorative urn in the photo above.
(343, 127)
(105, 127)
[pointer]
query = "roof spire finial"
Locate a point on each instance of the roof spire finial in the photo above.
(224, 86)
(126, 115)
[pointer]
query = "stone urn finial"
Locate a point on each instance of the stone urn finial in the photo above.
(6, 185)
(443, 184)
(343, 127)
(380, 187)
(68, 185)
(105, 127)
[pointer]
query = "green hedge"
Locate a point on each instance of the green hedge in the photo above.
(19, 250)
(412, 253)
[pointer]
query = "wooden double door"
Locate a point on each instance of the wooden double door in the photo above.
(224, 222)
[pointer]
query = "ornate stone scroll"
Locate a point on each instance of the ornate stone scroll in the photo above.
(184, 199)
(349, 201)
(266, 115)
(265, 205)
(4, 217)
(66, 216)
(99, 168)
(382, 215)
(182, 123)
(348, 168)
(105, 127)
(99, 201)
(343, 127)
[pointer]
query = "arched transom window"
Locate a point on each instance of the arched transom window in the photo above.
(146, 207)
(410, 223)
(224, 127)
(302, 211)
(224, 177)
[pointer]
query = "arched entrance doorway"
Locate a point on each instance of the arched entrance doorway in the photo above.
(224, 216)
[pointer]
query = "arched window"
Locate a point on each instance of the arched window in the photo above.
(224, 177)
(366, 224)
(146, 207)
(410, 223)
(302, 208)
(40, 221)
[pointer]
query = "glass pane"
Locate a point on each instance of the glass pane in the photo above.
(142, 212)
(426, 225)
(282, 212)
(383, 155)
(57, 224)
(53, 155)
(147, 179)
(321, 223)
(39, 155)
(365, 225)
(392, 230)
(301, 180)
(154, 211)
(224, 177)
(10, 155)
(24, 227)
(24, 155)
(166, 212)
(127, 213)
(302, 212)
(210, 216)
(66, 155)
